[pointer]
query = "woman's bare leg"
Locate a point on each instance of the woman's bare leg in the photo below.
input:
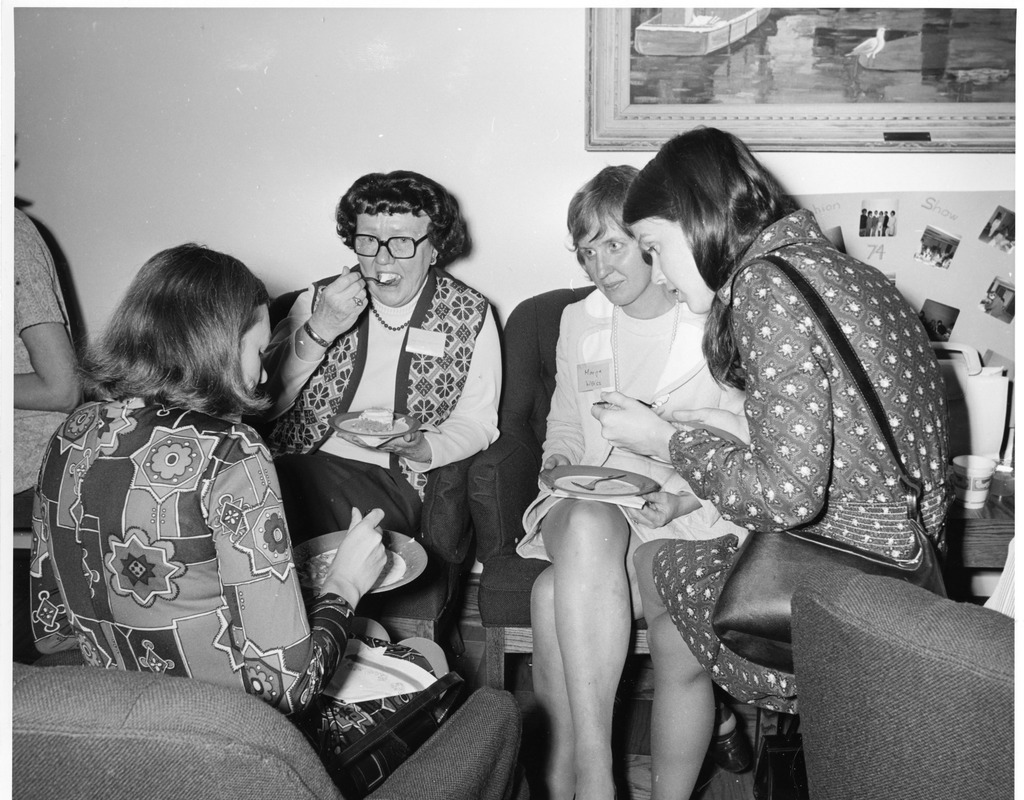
(583, 599)
(549, 688)
(684, 702)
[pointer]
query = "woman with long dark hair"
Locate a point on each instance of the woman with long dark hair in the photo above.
(710, 218)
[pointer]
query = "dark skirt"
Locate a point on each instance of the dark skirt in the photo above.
(689, 575)
(319, 491)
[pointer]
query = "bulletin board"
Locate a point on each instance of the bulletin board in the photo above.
(951, 255)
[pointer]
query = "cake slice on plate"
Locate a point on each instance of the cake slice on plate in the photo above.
(377, 420)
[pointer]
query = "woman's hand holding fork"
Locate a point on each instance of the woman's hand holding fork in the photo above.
(633, 425)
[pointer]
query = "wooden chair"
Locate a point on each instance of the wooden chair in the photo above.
(499, 641)
(503, 481)
(978, 539)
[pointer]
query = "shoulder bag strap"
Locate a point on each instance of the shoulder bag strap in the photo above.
(846, 353)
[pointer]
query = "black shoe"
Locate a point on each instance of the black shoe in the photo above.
(731, 751)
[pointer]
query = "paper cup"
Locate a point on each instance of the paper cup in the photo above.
(972, 476)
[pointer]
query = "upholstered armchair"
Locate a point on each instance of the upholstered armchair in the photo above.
(83, 731)
(902, 693)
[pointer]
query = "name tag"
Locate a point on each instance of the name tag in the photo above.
(595, 375)
(426, 343)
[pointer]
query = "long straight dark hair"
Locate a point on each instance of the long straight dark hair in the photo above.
(709, 183)
(175, 338)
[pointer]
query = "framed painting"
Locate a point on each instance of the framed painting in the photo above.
(883, 79)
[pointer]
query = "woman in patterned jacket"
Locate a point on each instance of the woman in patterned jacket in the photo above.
(707, 214)
(160, 542)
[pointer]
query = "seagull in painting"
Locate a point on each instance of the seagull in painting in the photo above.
(870, 48)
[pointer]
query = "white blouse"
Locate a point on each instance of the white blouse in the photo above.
(471, 427)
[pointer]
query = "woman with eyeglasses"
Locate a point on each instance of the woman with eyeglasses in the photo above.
(395, 331)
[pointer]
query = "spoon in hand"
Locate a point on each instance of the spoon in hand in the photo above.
(389, 278)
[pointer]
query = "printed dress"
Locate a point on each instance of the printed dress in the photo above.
(815, 458)
(160, 545)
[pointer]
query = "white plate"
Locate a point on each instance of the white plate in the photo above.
(620, 484)
(349, 422)
(314, 558)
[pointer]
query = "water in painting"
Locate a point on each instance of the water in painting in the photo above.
(818, 55)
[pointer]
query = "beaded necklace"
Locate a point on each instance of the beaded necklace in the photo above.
(380, 319)
(615, 339)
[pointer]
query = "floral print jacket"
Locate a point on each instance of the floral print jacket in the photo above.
(816, 457)
(160, 544)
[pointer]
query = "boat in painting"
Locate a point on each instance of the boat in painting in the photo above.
(695, 31)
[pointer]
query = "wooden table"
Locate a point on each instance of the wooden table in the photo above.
(978, 539)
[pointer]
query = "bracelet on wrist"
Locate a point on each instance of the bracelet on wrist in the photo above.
(320, 340)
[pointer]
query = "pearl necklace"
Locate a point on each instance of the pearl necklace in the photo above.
(615, 340)
(380, 319)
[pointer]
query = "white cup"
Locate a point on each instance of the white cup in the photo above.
(972, 476)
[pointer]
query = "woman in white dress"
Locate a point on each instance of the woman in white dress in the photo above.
(633, 335)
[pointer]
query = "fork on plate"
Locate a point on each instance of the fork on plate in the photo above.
(589, 485)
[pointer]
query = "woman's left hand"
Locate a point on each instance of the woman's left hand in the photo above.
(628, 423)
(661, 508)
(412, 446)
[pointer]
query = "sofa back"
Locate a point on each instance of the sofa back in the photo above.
(530, 337)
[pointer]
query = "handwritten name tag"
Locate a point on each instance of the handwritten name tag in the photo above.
(427, 343)
(594, 375)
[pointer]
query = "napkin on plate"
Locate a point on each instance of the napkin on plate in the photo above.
(366, 672)
(629, 500)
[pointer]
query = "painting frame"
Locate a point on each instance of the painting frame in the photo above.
(613, 123)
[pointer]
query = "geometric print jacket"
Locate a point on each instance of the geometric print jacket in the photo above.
(160, 545)
(428, 386)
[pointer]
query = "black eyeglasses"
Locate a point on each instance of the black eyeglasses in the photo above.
(397, 246)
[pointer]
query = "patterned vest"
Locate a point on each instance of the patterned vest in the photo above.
(431, 387)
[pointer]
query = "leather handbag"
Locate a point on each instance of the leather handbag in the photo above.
(753, 611)
(378, 737)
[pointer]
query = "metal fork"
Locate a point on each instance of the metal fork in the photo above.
(589, 485)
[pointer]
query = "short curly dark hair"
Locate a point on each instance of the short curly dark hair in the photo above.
(405, 192)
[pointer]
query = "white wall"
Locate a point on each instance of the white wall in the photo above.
(141, 128)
